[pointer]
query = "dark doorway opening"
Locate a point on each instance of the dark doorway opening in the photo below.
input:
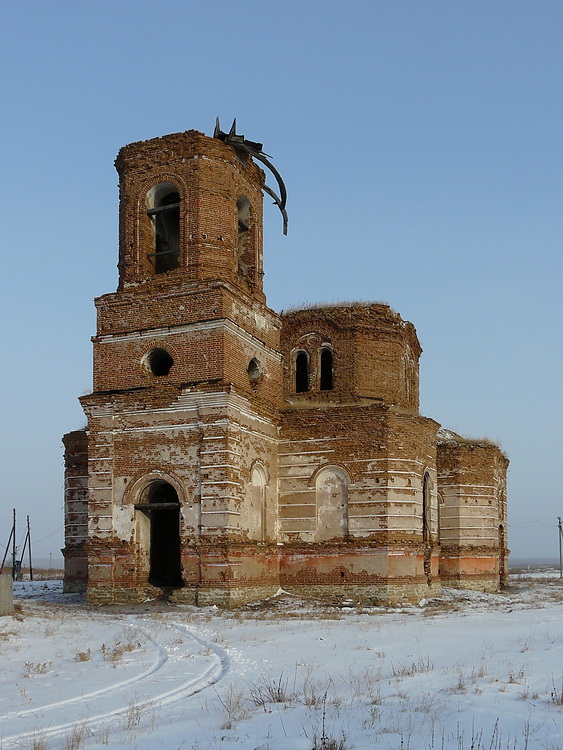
(163, 508)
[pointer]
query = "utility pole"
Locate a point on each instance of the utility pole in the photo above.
(14, 548)
(27, 542)
(560, 553)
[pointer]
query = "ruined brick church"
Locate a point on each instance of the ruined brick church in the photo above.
(231, 451)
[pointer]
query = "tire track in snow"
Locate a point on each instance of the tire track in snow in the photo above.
(210, 676)
(157, 664)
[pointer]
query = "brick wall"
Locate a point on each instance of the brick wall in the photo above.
(76, 510)
(472, 487)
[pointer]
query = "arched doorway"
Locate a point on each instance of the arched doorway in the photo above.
(162, 507)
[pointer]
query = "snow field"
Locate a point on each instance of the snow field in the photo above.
(469, 672)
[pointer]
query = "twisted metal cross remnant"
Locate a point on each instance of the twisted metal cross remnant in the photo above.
(255, 150)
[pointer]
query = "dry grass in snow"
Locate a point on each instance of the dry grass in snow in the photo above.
(469, 671)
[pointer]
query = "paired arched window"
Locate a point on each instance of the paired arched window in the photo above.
(325, 373)
(163, 210)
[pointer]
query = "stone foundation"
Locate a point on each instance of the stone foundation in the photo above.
(76, 569)
(489, 584)
(234, 597)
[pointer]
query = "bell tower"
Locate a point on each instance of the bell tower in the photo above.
(182, 420)
(190, 258)
(190, 211)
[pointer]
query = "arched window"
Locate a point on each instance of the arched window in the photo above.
(332, 504)
(326, 369)
(301, 372)
(254, 371)
(440, 512)
(244, 247)
(163, 210)
(407, 377)
(426, 498)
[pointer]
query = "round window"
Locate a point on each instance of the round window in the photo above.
(158, 362)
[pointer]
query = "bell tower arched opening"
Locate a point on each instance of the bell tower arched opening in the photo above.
(163, 210)
(246, 259)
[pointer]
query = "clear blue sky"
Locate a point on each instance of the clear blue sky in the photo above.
(420, 143)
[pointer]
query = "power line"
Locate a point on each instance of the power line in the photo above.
(48, 535)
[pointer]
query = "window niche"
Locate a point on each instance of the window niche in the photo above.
(331, 487)
(163, 211)
(259, 483)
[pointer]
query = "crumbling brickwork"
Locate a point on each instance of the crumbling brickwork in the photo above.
(76, 510)
(472, 490)
(230, 450)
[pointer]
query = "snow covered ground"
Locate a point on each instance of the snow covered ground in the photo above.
(470, 671)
